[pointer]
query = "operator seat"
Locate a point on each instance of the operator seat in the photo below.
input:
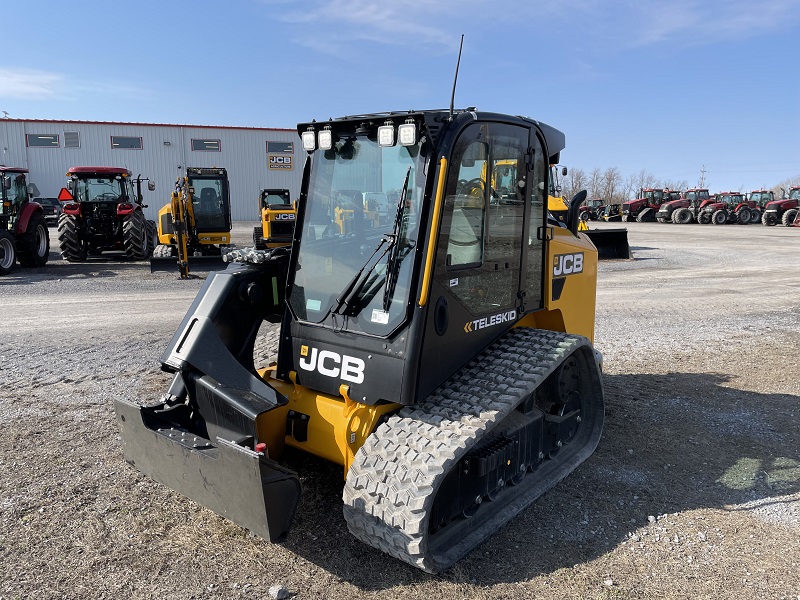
(209, 201)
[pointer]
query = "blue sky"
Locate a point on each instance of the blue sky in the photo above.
(668, 87)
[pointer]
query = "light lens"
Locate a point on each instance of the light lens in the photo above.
(309, 141)
(325, 139)
(386, 135)
(407, 134)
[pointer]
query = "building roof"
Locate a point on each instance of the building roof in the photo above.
(126, 123)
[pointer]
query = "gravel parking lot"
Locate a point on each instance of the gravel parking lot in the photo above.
(694, 491)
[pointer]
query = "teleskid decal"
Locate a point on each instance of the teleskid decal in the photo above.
(485, 322)
(567, 264)
(331, 364)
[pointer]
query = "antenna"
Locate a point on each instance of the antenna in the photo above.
(455, 79)
(702, 177)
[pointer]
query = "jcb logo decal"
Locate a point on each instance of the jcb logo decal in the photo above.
(477, 324)
(284, 217)
(567, 264)
(331, 364)
(277, 161)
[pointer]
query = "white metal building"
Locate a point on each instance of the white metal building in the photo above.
(256, 158)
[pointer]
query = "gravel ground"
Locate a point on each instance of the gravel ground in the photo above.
(694, 491)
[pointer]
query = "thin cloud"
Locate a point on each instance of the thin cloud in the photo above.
(397, 23)
(27, 84)
(693, 22)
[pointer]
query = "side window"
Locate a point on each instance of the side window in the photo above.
(482, 222)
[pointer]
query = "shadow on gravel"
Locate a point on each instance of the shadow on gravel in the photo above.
(671, 443)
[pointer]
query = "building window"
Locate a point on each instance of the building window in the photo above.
(72, 139)
(130, 143)
(206, 145)
(280, 147)
(41, 140)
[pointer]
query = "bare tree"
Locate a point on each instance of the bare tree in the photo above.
(612, 180)
(595, 186)
(574, 183)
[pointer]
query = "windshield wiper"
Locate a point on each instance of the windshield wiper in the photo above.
(398, 231)
(352, 288)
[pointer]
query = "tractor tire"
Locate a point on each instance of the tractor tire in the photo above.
(33, 246)
(584, 216)
(134, 236)
(661, 219)
(69, 239)
(788, 217)
(8, 253)
(769, 219)
(682, 216)
(152, 237)
(720, 217)
(743, 216)
(755, 215)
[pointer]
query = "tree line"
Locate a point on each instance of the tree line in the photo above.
(610, 185)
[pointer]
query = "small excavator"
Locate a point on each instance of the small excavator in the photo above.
(195, 227)
(442, 357)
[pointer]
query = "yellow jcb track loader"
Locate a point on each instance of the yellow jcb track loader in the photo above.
(278, 214)
(444, 359)
(195, 227)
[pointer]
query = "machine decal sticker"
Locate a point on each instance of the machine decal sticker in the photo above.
(485, 322)
(567, 264)
(331, 364)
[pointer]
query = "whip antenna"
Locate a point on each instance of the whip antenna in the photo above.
(455, 79)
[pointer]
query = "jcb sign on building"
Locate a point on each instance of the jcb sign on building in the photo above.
(280, 161)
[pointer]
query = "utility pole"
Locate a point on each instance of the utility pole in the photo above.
(702, 183)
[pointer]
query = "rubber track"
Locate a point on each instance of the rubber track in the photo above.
(390, 488)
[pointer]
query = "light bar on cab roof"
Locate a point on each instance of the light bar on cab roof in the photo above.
(386, 134)
(309, 140)
(325, 138)
(407, 133)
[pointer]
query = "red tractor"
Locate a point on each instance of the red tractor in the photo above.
(758, 202)
(23, 230)
(103, 210)
(783, 210)
(684, 209)
(646, 206)
(592, 209)
(726, 207)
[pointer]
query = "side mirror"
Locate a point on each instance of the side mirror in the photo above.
(151, 185)
(7, 183)
(574, 211)
(564, 172)
(33, 190)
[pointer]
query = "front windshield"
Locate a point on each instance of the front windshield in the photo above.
(98, 189)
(354, 193)
(17, 192)
(795, 194)
(208, 203)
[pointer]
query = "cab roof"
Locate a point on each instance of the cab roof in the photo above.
(5, 169)
(104, 170)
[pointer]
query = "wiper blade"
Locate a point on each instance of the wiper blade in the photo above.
(397, 232)
(356, 283)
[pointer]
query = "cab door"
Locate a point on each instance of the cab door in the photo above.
(488, 268)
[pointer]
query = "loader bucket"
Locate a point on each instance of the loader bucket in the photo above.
(232, 480)
(196, 263)
(610, 243)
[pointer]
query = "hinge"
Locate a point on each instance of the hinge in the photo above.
(544, 233)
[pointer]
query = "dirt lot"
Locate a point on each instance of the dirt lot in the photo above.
(694, 491)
